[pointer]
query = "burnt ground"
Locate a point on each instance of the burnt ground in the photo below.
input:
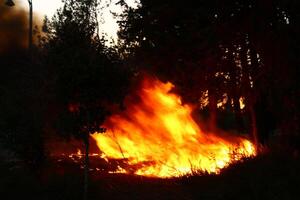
(270, 176)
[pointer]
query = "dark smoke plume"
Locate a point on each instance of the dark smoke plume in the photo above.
(13, 28)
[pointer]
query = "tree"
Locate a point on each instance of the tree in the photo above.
(235, 47)
(86, 75)
(178, 43)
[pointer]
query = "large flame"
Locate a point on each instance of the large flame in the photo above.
(158, 137)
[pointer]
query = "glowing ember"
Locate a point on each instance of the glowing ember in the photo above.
(157, 136)
(79, 152)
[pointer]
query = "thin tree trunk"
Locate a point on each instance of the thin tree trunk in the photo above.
(248, 91)
(212, 110)
(238, 115)
(86, 167)
(234, 89)
(253, 125)
(30, 34)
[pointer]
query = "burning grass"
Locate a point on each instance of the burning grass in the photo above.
(157, 136)
(101, 165)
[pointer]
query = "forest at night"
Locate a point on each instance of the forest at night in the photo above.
(191, 100)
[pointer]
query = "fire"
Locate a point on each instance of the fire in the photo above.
(158, 137)
(79, 152)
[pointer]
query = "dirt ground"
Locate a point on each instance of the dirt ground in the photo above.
(270, 176)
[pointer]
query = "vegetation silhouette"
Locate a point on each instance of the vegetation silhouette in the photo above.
(238, 51)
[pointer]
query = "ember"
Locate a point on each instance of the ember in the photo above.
(158, 137)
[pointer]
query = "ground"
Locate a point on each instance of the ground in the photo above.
(269, 176)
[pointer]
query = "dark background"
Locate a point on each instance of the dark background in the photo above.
(70, 79)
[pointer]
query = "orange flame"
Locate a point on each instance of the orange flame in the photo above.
(158, 136)
(79, 152)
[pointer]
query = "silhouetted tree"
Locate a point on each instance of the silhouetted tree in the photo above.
(86, 75)
(241, 48)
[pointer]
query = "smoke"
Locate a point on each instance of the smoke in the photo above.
(13, 28)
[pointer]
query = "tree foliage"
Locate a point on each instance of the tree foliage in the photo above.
(86, 75)
(234, 48)
(84, 71)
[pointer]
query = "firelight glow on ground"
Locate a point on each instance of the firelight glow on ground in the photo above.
(158, 137)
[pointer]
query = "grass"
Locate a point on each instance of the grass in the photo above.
(269, 176)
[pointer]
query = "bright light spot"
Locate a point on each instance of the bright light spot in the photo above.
(222, 102)
(48, 7)
(204, 99)
(41, 7)
(242, 102)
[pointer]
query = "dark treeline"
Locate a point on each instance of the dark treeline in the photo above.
(233, 50)
(213, 51)
(65, 84)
